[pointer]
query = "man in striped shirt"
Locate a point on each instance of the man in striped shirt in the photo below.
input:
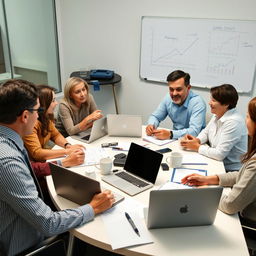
(25, 219)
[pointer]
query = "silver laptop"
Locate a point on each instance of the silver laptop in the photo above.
(183, 207)
(76, 187)
(124, 125)
(141, 169)
(98, 130)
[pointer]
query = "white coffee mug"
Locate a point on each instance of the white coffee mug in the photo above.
(105, 165)
(174, 160)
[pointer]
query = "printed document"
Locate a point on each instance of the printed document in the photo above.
(93, 155)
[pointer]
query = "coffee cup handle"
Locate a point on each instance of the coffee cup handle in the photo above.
(97, 166)
(168, 159)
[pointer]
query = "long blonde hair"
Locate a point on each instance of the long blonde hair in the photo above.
(69, 86)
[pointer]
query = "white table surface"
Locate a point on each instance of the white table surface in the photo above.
(224, 237)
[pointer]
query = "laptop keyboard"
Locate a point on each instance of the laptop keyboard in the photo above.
(137, 182)
(87, 137)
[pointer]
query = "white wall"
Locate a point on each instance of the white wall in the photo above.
(106, 34)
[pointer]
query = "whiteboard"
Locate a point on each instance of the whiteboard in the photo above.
(212, 51)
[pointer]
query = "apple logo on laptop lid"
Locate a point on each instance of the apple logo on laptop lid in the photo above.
(184, 209)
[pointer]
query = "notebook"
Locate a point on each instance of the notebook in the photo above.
(156, 141)
(76, 187)
(124, 125)
(98, 130)
(140, 170)
(183, 207)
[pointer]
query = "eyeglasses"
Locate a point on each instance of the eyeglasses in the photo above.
(39, 110)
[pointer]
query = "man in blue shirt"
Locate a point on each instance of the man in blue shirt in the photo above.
(25, 219)
(185, 108)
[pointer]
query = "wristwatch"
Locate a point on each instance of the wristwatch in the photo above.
(66, 144)
(171, 134)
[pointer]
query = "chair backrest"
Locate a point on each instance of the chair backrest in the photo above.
(2, 252)
(249, 230)
(55, 248)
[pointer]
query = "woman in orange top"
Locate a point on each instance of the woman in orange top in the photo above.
(44, 130)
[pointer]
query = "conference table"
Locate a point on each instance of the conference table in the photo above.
(224, 237)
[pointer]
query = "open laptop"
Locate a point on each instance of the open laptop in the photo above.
(124, 125)
(98, 130)
(76, 187)
(140, 171)
(183, 207)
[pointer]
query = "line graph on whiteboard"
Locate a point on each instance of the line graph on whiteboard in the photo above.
(173, 50)
(212, 51)
(178, 50)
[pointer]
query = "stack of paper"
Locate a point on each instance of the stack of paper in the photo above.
(156, 141)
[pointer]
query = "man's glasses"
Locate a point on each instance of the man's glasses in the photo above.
(39, 110)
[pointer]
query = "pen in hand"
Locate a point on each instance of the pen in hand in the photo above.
(132, 223)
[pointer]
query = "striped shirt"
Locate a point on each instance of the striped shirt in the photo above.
(25, 218)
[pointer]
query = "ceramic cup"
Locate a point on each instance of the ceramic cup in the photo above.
(105, 166)
(174, 160)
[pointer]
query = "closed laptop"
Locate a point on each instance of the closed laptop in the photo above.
(183, 207)
(124, 125)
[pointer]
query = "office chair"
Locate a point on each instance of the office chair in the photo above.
(50, 246)
(249, 229)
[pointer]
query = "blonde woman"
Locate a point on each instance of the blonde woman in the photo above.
(77, 110)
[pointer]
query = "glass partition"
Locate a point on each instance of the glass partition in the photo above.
(29, 39)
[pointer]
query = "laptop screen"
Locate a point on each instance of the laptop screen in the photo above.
(143, 162)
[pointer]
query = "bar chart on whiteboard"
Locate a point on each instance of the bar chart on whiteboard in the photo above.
(212, 51)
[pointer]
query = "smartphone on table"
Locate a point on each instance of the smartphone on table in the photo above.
(165, 166)
(164, 150)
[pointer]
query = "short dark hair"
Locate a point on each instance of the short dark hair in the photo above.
(225, 94)
(177, 74)
(16, 95)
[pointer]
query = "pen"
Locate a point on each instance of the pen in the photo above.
(194, 163)
(117, 148)
(132, 223)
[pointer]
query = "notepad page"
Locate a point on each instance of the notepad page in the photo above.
(119, 230)
(179, 173)
(93, 155)
(157, 141)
